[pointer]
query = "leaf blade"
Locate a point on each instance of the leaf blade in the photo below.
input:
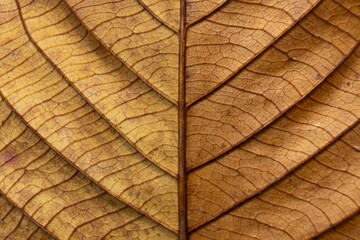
(150, 43)
(96, 133)
(294, 205)
(253, 99)
(83, 151)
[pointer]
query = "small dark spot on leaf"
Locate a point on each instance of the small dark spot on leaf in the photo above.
(318, 77)
(348, 84)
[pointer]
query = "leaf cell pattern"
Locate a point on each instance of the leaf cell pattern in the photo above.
(185, 119)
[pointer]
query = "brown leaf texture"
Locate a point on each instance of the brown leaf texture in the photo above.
(180, 119)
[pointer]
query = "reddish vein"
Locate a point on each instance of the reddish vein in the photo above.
(182, 127)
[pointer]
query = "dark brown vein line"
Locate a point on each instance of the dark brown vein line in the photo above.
(254, 58)
(336, 225)
(17, 225)
(288, 109)
(122, 225)
(164, 95)
(182, 188)
(157, 17)
(206, 14)
(107, 120)
(290, 171)
(8, 213)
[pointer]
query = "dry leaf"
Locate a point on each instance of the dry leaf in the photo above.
(163, 119)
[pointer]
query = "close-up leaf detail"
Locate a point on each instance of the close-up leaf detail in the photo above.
(180, 119)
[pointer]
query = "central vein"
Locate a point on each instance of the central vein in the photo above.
(182, 126)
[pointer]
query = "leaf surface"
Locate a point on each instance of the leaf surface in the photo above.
(186, 119)
(349, 229)
(14, 225)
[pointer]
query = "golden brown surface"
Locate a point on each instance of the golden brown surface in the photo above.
(53, 193)
(109, 108)
(14, 225)
(348, 230)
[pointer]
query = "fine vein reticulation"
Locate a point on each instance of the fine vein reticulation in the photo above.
(180, 119)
